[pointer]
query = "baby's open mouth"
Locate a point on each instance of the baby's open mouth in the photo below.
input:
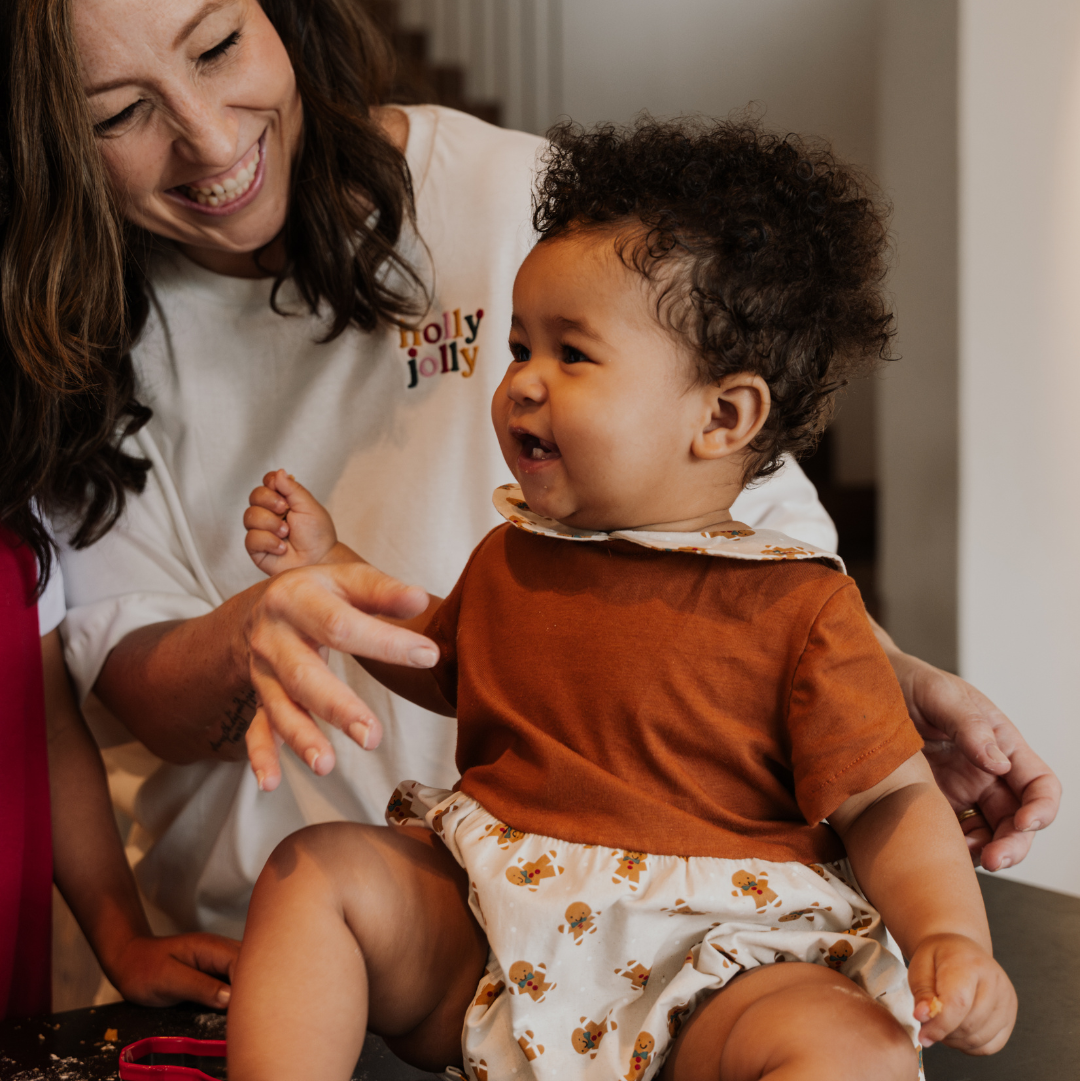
(532, 446)
(223, 189)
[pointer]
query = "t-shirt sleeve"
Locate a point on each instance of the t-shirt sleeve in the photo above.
(442, 630)
(847, 720)
(137, 574)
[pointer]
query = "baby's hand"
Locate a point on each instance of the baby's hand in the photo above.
(962, 996)
(286, 525)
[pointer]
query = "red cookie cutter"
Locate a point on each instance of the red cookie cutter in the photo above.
(176, 1048)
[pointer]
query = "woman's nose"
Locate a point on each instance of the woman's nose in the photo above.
(207, 132)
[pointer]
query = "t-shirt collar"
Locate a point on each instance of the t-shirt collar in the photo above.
(756, 544)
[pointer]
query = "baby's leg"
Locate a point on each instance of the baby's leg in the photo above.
(352, 927)
(791, 1021)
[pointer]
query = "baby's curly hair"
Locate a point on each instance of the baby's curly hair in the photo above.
(768, 251)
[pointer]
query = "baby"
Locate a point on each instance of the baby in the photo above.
(684, 758)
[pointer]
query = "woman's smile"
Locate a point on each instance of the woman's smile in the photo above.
(227, 192)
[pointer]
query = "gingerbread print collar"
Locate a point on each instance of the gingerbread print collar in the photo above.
(756, 544)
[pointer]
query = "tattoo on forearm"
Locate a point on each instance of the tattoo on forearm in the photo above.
(237, 720)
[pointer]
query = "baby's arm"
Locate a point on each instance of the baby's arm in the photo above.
(909, 855)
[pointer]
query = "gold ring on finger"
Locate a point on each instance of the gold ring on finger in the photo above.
(971, 812)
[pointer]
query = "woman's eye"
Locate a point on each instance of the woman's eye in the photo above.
(221, 48)
(520, 352)
(573, 356)
(121, 117)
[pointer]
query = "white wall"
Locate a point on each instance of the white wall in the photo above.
(809, 62)
(1020, 385)
(917, 403)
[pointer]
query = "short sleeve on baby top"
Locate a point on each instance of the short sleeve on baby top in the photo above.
(665, 702)
(846, 719)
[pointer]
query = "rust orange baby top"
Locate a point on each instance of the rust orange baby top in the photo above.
(664, 701)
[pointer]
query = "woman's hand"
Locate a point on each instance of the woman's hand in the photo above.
(181, 968)
(962, 996)
(980, 760)
(298, 613)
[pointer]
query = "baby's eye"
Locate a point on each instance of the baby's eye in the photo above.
(520, 352)
(573, 356)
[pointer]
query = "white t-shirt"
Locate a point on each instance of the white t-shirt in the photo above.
(50, 606)
(390, 432)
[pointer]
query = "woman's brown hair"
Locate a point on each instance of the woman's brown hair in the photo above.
(73, 295)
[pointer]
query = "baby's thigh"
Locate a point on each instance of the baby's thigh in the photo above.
(401, 903)
(791, 1020)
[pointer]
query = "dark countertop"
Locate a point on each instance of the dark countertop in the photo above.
(1036, 938)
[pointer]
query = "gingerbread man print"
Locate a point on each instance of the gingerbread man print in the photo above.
(586, 1040)
(631, 866)
(531, 874)
(640, 1057)
(580, 921)
(529, 980)
(676, 1016)
(754, 886)
(488, 993)
(400, 807)
(636, 973)
(837, 954)
(504, 835)
(526, 1044)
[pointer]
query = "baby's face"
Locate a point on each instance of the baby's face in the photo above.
(596, 411)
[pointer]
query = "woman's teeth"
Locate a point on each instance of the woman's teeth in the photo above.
(227, 190)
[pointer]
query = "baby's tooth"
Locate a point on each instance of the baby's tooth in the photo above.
(217, 189)
(213, 200)
(230, 185)
(200, 198)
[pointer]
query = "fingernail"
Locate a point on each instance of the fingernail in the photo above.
(320, 764)
(260, 776)
(224, 995)
(423, 657)
(359, 733)
(282, 529)
(993, 752)
(1005, 862)
(1036, 825)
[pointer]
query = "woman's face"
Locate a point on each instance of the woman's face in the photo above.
(198, 119)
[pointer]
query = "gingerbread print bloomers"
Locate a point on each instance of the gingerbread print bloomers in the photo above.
(598, 956)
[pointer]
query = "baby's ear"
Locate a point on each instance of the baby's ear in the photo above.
(733, 412)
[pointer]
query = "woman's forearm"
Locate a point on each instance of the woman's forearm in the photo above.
(89, 866)
(189, 689)
(183, 687)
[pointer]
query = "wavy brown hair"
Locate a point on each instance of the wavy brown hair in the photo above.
(73, 297)
(769, 253)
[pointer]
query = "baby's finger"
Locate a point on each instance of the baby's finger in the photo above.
(262, 751)
(929, 1005)
(300, 499)
(261, 518)
(268, 498)
(259, 542)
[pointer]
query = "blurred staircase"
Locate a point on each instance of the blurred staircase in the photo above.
(418, 78)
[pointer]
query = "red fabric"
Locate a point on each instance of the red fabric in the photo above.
(25, 827)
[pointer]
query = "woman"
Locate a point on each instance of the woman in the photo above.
(280, 229)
